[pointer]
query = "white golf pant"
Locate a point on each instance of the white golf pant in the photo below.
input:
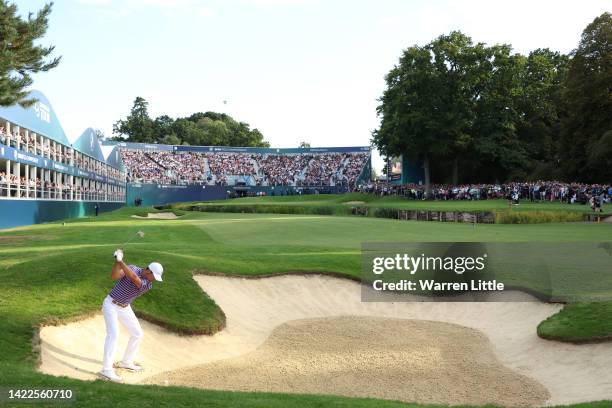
(113, 314)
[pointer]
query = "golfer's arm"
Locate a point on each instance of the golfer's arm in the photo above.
(117, 272)
(130, 274)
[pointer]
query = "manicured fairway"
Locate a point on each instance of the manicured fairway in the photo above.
(56, 271)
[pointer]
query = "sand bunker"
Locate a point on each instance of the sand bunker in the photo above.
(354, 203)
(407, 360)
(158, 216)
(256, 307)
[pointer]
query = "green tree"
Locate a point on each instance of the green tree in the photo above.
(162, 128)
(304, 145)
(187, 132)
(138, 126)
(199, 129)
(588, 89)
(409, 110)
(497, 152)
(540, 108)
(459, 67)
(20, 57)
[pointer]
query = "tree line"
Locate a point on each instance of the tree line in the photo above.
(199, 129)
(470, 112)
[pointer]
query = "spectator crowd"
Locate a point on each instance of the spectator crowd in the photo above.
(537, 191)
(303, 169)
(35, 188)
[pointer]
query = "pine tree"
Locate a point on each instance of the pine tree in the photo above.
(19, 57)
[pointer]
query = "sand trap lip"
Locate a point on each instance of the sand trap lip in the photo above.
(359, 356)
(255, 307)
(158, 216)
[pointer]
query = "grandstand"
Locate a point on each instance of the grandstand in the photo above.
(43, 176)
(158, 174)
(253, 167)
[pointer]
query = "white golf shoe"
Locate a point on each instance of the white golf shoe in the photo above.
(110, 375)
(128, 366)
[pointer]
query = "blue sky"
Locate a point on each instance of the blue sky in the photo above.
(298, 70)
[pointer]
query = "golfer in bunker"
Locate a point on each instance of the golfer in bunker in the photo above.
(132, 282)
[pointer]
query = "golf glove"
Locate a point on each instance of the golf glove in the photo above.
(118, 255)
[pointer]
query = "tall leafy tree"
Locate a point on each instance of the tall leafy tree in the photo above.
(497, 151)
(429, 110)
(409, 110)
(20, 57)
(541, 109)
(586, 145)
(138, 126)
(459, 69)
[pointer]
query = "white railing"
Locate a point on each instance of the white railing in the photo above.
(11, 191)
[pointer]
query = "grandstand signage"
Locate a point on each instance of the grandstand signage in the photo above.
(39, 118)
(10, 153)
(140, 146)
(43, 112)
(60, 167)
(229, 149)
(28, 158)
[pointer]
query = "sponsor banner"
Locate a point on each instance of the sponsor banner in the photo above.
(229, 149)
(140, 146)
(28, 158)
(481, 272)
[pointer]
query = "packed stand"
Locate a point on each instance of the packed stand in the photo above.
(321, 169)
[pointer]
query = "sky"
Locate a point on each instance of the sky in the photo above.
(297, 70)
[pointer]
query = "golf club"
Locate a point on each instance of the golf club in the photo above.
(138, 234)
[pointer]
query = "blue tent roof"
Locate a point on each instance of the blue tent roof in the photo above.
(88, 144)
(114, 159)
(39, 118)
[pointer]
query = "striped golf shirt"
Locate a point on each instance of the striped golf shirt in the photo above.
(125, 291)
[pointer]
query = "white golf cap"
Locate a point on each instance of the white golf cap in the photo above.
(157, 270)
